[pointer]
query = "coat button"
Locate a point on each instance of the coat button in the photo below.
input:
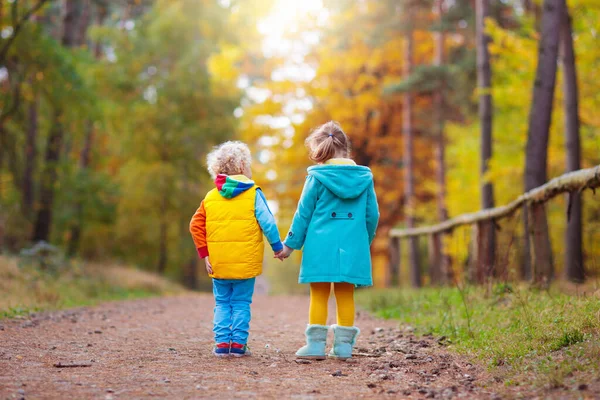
(333, 214)
(349, 215)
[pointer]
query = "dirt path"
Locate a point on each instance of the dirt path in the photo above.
(161, 348)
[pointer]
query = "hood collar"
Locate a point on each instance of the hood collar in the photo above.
(230, 186)
(345, 181)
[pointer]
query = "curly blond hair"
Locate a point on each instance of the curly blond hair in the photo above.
(229, 158)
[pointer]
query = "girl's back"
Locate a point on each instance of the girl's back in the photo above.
(336, 221)
(334, 224)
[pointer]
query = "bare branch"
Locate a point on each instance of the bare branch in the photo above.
(18, 25)
(573, 181)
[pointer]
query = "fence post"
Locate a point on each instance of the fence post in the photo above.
(445, 261)
(394, 266)
(487, 250)
(526, 262)
(543, 268)
(435, 270)
(415, 265)
(474, 255)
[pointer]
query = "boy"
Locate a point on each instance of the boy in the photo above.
(227, 230)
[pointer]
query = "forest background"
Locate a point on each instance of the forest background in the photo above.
(108, 109)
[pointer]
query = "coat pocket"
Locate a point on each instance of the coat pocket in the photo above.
(341, 215)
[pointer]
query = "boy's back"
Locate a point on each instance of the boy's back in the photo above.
(227, 230)
(233, 235)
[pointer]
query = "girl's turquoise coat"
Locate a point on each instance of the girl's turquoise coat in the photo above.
(335, 222)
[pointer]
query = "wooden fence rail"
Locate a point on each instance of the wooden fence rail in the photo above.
(485, 219)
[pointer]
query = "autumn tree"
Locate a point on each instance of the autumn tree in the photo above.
(442, 272)
(486, 240)
(574, 268)
(538, 132)
(43, 220)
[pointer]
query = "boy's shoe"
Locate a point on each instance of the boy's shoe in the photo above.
(316, 338)
(239, 350)
(221, 350)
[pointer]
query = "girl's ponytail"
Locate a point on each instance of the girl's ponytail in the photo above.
(326, 141)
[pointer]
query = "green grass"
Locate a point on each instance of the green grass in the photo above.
(548, 335)
(26, 290)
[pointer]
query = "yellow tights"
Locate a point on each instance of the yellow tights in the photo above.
(344, 298)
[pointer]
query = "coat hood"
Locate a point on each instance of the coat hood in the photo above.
(230, 186)
(345, 181)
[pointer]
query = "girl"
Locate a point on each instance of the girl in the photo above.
(335, 222)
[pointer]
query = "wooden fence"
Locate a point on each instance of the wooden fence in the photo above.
(576, 181)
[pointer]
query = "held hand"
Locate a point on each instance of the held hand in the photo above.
(278, 255)
(285, 253)
(208, 266)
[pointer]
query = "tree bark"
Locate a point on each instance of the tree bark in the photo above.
(484, 79)
(190, 273)
(162, 240)
(394, 262)
(101, 14)
(574, 267)
(69, 35)
(43, 221)
(526, 270)
(435, 255)
(1, 210)
(444, 267)
(537, 137)
(86, 151)
(84, 163)
(409, 180)
(30, 159)
(84, 22)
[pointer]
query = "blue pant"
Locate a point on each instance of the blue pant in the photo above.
(232, 309)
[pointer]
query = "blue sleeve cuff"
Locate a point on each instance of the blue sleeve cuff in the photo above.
(277, 246)
(292, 245)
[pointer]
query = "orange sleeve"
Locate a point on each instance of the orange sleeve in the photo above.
(198, 231)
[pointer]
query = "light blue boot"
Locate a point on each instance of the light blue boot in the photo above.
(344, 338)
(316, 339)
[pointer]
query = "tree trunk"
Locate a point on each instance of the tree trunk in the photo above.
(409, 179)
(2, 212)
(43, 222)
(574, 267)
(484, 79)
(537, 137)
(69, 34)
(190, 273)
(526, 273)
(444, 267)
(30, 159)
(163, 237)
(394, 262)
(435, 255)
(86, 151)
(101, 11)
(84, 163)
(84, 22)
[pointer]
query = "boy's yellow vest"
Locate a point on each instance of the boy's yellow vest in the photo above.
(234, 237)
